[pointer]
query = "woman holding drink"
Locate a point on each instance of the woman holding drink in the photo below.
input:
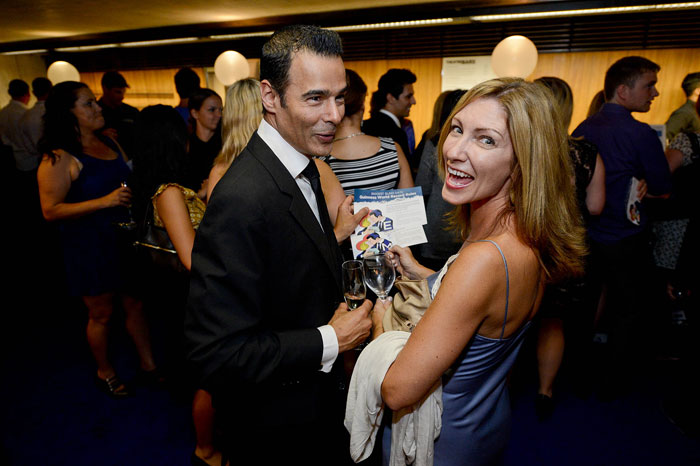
(507, 170)
(81, 187)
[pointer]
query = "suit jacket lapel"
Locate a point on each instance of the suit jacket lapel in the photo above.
(298, 207)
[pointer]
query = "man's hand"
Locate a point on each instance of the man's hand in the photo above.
(346, 221)
(351, 327)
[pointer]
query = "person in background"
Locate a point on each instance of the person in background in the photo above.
(565, 303)
(621, 259)
(158, 166)
(205, 142)
(361, 161)
(442, 240)
(186, 82)
(81, 186)
(390, 103)
(120, 118)
(500, 142)
(31, 125)
(685, 118)
(10, 115)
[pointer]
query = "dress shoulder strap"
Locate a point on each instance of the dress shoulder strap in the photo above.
(505, 263)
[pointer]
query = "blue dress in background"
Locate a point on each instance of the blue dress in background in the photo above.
(90, 247)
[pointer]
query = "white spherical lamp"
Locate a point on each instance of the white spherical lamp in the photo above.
(514, 56)
(231, 66)
(60, 71)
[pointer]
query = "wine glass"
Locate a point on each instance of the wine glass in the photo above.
(354, 290)
(379, 274)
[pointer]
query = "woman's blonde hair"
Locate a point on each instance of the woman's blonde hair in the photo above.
(242, 115)
(542, 195)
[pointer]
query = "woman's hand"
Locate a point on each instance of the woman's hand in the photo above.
(378, 312)
(403, 260)
(119, 197)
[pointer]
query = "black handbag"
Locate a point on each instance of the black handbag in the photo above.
(155, 243)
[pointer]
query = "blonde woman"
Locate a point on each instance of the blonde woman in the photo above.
(508, 171)
(241, 118)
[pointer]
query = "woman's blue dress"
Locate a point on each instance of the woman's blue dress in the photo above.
(90, 243)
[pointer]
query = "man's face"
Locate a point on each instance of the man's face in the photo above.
(313, 105)
(401, 107)
(114, 97)
(638, 97)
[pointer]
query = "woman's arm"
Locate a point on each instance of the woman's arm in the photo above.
(215, 175)
(405, 177)
(595, 191)
(674, 158)
(472, 289)
(176, 219)
(55, 177)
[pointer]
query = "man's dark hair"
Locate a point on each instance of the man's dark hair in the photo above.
(626, 71)
(18, 88)
(186, 82)
(41, 87)
(113, 80)
(392, 82)
(277, 53)
(690, 83)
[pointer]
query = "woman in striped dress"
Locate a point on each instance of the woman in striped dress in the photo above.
(361, 161)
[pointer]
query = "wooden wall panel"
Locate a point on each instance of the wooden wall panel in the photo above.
(584, 71)
(147, 87)
(427, 86)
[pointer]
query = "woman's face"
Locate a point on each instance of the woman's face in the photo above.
(478, 154)
(87, 111)
(209, 114)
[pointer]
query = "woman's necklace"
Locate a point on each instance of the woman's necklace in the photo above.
(348, 136)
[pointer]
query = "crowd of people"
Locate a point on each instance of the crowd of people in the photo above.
(255, 195)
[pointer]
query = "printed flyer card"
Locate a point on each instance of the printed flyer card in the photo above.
(395, 216)
(634, 203)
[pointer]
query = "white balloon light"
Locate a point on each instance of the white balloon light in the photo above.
(60, 71)
(231, 66)
(514, 56)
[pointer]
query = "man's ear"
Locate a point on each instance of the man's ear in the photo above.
(622, 92)
(390, 99)
(270, 97)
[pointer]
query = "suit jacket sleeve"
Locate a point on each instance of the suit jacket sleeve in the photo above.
(245, 324)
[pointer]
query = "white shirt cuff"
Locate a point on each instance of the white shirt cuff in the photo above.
(330, 347)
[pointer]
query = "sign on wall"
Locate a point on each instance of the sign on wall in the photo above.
(465, 72)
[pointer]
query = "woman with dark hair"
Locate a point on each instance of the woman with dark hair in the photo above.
(158, 170)
(442, 241)
(205, 142)
(82, 186)
(361, 161)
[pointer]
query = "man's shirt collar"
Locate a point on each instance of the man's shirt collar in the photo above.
(293, 160)
(392, 116)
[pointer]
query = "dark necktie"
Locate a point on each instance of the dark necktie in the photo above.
(311, 173)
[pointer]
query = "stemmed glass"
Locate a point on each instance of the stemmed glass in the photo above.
(354, 290)
(379, 274)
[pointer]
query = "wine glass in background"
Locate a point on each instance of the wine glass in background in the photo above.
(354, 290)
(379, 274)
(129, 224)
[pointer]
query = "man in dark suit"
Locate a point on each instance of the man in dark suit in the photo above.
(390, 104)
(266, 271)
